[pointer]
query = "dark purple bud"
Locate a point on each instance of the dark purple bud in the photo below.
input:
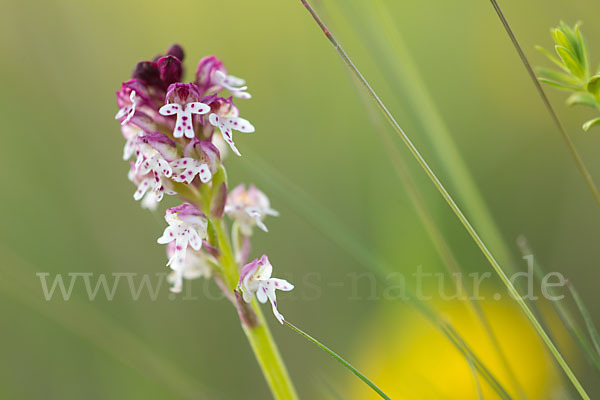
(176, 51)
(147, 72)
(170, 69)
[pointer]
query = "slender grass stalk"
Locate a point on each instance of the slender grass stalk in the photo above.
(561, 310)
(570, 145)
(432, 126)
(404, 76)
(333, 354)
(330, 227)
(432, 176)
(439, 241)
(587, 318)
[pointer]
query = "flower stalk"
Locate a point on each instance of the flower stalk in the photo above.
(256, 329)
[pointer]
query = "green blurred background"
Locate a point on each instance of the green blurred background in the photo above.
(68, 205)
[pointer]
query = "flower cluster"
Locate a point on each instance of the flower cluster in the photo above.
(177, 135)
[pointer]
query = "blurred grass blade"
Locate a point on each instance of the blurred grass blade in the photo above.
(587, 318)
(561, 310)
(403, 75)
(570, 145)
(83, 320)
(332, 228)
(338, 358)
(463, 348)
(438, 240)
(459, 214)
(475, 378)
(381, 35)
(328, 390)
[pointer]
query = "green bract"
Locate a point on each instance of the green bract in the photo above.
(574, 74)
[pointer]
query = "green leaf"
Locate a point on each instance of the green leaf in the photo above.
(583, 48)
(557, 76)
(568, 38)
(568, 58)
(557, 84)
(582, 98)
(561, 39)
(596, 121)
(552, 58)
(593, 85)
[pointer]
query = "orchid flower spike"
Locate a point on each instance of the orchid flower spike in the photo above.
(187, 226)
(185, 99)
(256, 279)
(248, 208)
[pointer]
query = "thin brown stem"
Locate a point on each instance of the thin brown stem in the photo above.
(570, 145)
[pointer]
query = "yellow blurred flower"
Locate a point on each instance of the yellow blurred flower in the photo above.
(409, 358)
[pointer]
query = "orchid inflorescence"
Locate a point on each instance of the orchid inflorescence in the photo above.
(179, 134)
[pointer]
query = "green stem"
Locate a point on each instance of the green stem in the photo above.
(457, 211)
(258, 333)
(269, 358)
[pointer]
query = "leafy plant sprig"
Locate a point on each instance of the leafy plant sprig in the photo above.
(574, 74)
